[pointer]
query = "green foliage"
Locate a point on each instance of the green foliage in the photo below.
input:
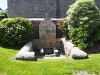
(83, 23)
(3, 15)
(15, 32)
(60, 29)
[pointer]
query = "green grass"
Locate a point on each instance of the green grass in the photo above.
(10, 66)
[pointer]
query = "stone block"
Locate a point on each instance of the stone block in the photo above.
(76, 53)
(26, 48)
(26, 56)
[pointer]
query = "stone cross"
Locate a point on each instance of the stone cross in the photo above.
(47, 16)
(48, 7)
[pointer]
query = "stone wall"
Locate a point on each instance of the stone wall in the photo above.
(38, 8)
(31, 8)
(63, 6)
(97, 3)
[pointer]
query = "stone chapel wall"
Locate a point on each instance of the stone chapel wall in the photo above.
(31, 8)
(38, 8)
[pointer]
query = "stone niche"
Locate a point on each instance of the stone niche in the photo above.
(47, 33)
(47, 38)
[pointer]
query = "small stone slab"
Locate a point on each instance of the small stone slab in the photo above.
(48, 51)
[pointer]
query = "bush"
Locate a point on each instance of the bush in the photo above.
(15, 32)
(83, 21)
(3, 15)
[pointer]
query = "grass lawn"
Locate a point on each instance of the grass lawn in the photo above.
(10, 66)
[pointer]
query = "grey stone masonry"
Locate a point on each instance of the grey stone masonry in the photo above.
(31, 8)
(97, 3)
(38, 8)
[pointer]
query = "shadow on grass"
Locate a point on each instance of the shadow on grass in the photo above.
(95, 49)
(12, 47)
(80, 58)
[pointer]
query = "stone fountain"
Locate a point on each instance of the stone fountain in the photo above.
(48, 45)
